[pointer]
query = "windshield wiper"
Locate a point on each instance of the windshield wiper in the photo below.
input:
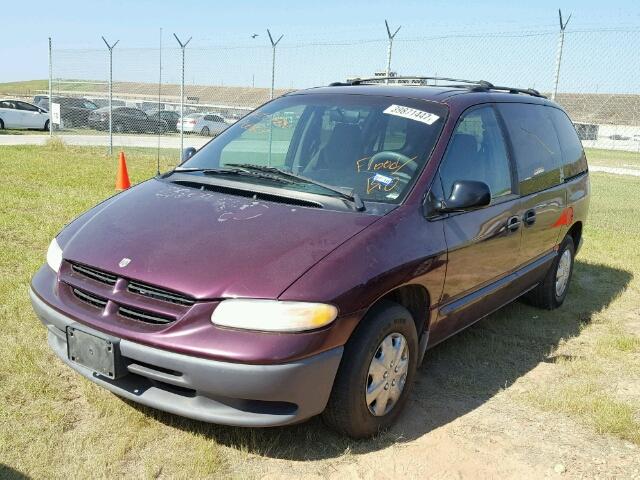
(236, 170)
(352, 197)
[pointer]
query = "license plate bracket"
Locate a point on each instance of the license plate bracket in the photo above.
(97, 353)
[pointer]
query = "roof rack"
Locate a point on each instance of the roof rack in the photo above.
(473, 85)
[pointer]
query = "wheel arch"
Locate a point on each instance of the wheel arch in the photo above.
(576, 234)
(415, 298)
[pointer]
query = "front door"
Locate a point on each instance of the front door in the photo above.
(483, 245)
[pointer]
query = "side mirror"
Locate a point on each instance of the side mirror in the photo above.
(466, 195)
(187, 153)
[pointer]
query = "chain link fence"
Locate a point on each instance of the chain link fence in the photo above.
(599, 80)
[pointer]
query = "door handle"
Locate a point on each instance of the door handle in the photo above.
(513, 224)
(529, 217)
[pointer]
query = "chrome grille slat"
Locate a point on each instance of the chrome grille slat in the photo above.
(143, 316)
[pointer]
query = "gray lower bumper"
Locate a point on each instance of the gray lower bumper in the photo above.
(208, 390)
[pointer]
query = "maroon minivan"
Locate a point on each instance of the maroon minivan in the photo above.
(303, 261)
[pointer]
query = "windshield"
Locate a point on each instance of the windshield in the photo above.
(373, 146)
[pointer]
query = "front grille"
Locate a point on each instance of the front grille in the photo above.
(144, 316)
(138, 288)
(159, 294)
(90, 298)
(94, 274)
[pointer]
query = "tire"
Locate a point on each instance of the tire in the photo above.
(118, 128)
(547, 295)
(46, 126)
(348, 410)
(1, 124)
(69, 123)
(204, 132)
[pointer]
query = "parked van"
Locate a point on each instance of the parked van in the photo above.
(303, 261)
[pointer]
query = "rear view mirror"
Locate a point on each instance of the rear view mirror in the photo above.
(187, 153)
(466, 195)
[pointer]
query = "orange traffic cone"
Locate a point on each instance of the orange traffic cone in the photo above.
(122, 177)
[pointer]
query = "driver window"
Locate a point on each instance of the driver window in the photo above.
(477, 151)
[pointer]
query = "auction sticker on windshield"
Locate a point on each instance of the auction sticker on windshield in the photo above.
(412, 114)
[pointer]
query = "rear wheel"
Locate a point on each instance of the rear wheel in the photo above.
(1, 124)
(118, 127)
(205, 131)
(376, 373)
(552, 291)
(46, 126)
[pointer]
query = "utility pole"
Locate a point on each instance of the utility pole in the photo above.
(182, 46)
(273, 60)
(390, 47)
(110, 47)
(50, 91)
(556, 79)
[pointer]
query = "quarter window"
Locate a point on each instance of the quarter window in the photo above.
(477, 151)
(535, 146)
(574, 161)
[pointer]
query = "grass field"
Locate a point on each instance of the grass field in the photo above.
(55, 424)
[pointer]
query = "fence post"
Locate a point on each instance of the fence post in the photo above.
(110, 47)
(556, 77)
(182, 46)
(273, 60)
(50, 91)
(389, 48)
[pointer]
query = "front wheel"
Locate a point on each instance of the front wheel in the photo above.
(552, 291)
(46, 126)
(376, 373)
(204, 132)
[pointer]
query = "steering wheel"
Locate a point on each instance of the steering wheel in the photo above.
(401, 166)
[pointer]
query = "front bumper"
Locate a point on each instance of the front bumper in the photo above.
(203, 389)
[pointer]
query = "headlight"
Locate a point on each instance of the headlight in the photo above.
(273, 315)
(54, 255)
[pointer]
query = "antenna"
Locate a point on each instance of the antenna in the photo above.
(391, 36)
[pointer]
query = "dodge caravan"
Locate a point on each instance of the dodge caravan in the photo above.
(303, 261)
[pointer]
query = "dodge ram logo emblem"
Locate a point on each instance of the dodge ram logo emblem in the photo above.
(124, 262)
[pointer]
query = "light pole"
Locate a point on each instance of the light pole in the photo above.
(110, 47)
(273, 60)
(389, 48)
(182, 46)
(556, 78)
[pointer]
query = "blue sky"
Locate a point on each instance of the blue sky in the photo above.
(79, 24)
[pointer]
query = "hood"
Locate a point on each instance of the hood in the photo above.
(205, 244)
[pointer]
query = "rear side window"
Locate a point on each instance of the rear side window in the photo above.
(477, 151)
(574, 161)
(535, 145)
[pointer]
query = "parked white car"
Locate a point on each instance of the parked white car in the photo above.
(203, 123)
(19, 114)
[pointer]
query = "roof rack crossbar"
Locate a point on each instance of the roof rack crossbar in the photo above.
(474, 85)
(359, 81)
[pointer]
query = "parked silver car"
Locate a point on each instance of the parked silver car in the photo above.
(207, 124)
